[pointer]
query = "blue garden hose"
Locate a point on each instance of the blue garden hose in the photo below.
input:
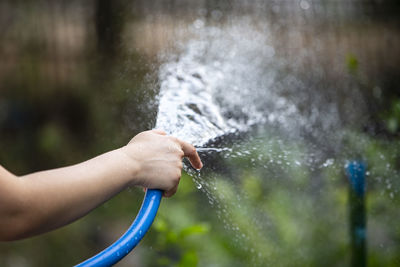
(132, 236)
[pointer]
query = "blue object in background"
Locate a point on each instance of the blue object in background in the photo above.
(356, 174)
(132, 236)
(356, 171)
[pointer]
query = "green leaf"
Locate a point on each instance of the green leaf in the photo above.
(352, 63)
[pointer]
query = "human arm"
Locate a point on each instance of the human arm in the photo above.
(42, 201)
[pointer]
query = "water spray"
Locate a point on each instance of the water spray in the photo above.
(193, 108)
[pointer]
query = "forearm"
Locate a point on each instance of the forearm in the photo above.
(53, 198)
(43, 201)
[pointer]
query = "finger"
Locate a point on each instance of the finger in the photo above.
(191, 153)
(158, 131)
(170, 192)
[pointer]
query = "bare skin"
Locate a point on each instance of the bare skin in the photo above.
(46, 200)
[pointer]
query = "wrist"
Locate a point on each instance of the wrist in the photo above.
(130, 166)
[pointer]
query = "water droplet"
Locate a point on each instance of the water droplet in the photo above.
(304, 4)
(328, 163)
(198, 23)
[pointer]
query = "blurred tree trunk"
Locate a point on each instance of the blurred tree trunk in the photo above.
(110, 17)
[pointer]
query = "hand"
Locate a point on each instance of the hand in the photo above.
(158, 159)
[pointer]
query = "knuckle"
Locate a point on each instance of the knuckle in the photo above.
(180, 165)
(177, 176)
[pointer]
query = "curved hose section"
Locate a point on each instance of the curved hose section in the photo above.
(132, 236)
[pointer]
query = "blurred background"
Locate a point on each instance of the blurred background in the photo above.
(79, 78)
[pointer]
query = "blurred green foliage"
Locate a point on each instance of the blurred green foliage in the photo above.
(393, 117)
(352, 63)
